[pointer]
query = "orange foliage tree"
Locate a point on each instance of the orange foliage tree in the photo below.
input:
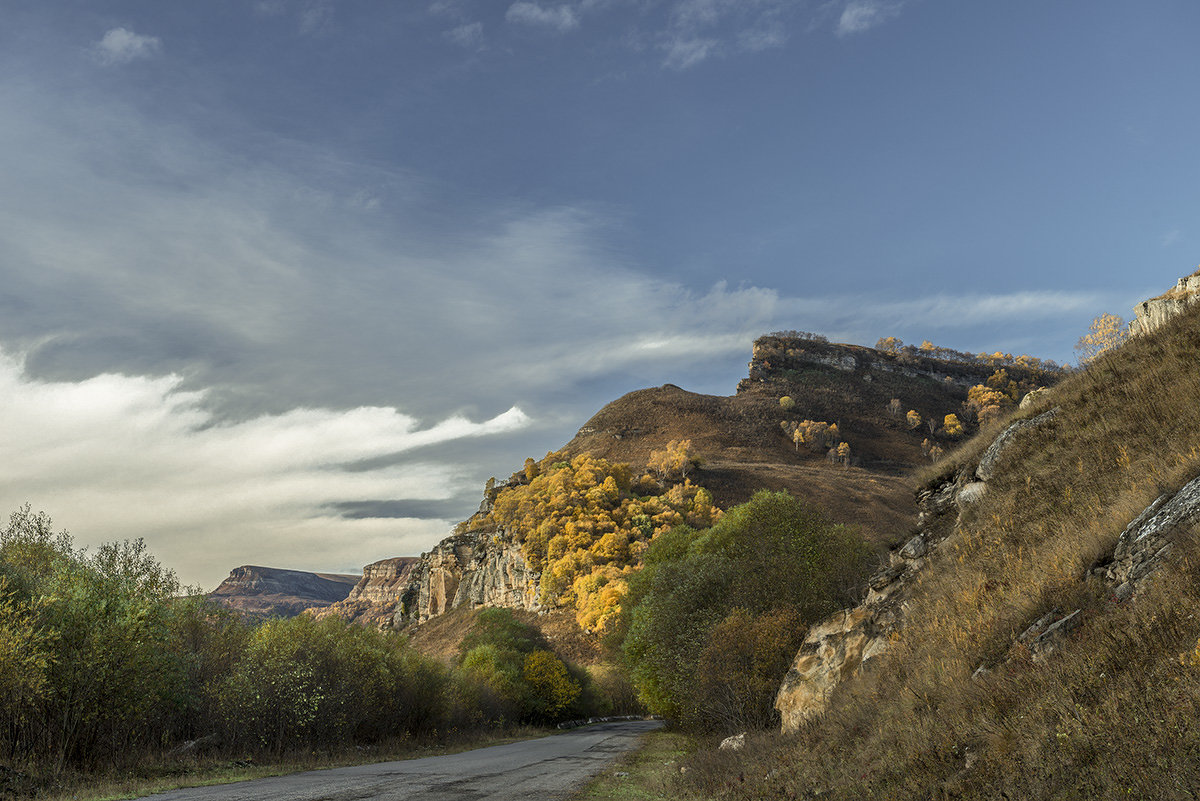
(582, 525)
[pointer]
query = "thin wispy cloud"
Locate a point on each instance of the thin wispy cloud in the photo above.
(556, 18)
(122, 46)
(469, 35)
(862, 15)
(682, 54)
(698, 30)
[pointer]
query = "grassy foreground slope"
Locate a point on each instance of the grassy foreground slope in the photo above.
(1116, 713)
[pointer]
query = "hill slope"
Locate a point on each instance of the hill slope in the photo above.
(1038, 638)
(744, 444)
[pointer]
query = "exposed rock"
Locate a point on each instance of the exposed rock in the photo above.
(842, 645)
(1032, 397)
(970, 493)
(1038, 626)
(1144, 542)
(735, 743)
(263, 592)
(833, 650)
(1155, 312)
(1055, 635)
(885, 577)
(987, 464)
(914, 548)
(478, 568)
(374, 599)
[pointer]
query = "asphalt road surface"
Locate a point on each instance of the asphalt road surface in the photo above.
(546, 768)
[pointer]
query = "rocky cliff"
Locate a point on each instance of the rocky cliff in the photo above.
(375, 598)
(264, 592)
(474, 569)
(1153, 313)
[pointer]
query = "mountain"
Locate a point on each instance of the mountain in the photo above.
(266, 592)
(879, 400)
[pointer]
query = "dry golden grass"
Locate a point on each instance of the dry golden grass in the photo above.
(1113, 715)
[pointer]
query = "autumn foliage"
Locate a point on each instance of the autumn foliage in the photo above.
(584, 524)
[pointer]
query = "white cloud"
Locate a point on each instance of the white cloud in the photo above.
(315, 17)
(121, 46)
(682, 54)
(446, 8)
(862, 15)
(116, 457)
(469, 35)
(557, 18)
(763, 38)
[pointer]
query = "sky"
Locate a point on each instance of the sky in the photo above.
(284, 282)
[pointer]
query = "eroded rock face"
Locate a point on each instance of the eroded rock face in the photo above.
(481, 568)
(1150, 537)
(375, 597)
(1155, 312)
(991, 457)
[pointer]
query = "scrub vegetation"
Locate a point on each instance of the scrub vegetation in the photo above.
(104, 664)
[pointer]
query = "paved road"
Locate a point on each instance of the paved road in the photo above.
(546, 768)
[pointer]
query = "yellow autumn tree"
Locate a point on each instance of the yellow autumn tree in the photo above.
(583, 518)
(1106, 332)
(952, 426)
(814, 434)
(673, 462)
(889, 344)
(913, 418)
(553, 688)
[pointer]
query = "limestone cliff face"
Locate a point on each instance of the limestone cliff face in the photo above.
(477, 568)
(374, 599)
(1153, 313)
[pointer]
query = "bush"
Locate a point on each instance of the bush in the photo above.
(774, 557)
(510, 671)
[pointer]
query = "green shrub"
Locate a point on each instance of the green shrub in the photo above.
(698, 601)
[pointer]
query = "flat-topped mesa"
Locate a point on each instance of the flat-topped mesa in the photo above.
(1155, 312)
(264, 592)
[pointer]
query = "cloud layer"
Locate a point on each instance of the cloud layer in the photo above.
(119, 456)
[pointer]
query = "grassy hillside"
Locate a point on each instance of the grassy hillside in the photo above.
(1115, 713)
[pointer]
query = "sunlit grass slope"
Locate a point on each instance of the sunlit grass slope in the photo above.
(1117, 712)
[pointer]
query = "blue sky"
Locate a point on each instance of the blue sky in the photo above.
(284, 282)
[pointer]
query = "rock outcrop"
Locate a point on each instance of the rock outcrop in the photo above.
(845, 643)
(1149, 538)
(1153, 313)
(265, 592)
(477, 568)
(375, 598)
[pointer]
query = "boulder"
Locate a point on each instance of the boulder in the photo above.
(735, 743)
(987, 464)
